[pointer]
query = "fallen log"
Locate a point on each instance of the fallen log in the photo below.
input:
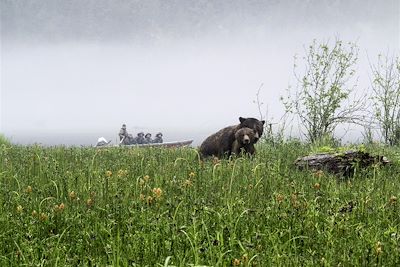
(339, 163)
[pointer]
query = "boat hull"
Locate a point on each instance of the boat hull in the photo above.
(173, 144)
(165, 144)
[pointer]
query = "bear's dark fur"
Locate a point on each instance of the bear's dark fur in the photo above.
(244, 141)
(220, 143)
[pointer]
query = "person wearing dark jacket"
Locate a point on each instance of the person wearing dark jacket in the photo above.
(158, 138)
(123, 133)
(140, 138)
(148, 139)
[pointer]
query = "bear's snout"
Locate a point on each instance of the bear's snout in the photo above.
(246, 139)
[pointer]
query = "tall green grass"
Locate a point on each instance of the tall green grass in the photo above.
(4, 140)
(62, 206)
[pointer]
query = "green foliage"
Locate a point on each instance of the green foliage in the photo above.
(386, 98)
(323, 88)
(336, 149)
(158, 207)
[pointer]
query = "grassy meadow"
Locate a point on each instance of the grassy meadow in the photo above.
(63, 206)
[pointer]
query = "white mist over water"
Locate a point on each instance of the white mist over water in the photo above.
(170, 67)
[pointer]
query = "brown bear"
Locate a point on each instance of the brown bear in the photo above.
(220, 143)
(244, 141)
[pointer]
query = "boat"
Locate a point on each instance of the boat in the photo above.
(183, 143)
(102, 142)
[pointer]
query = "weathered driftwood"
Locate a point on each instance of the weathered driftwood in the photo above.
(339, 163)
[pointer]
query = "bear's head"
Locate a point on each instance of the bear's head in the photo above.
(252, 123)
(245, 136)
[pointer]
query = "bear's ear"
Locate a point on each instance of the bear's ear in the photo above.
(241, 119)
(263, 122)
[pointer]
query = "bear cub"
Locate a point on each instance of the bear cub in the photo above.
(244, 141)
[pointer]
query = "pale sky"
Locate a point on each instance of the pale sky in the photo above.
(187, 68)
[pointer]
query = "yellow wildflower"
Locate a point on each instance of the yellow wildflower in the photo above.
(122, 173)
(192, 174)
(72, 195)
(43, 217)
(146, 178)
(108, 174)
(60, 207)
(279, 198)
(236, 262)
(378, 248)
(245, 258)
(149, 200)
(187, 183)
(20, 209)
(157, 192)
(28, 189)
(392, 200)
(319, 173)
(89, 202)
(317, 186)
(294, 201)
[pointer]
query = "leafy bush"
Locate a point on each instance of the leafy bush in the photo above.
(324, 88)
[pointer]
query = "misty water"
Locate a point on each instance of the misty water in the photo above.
(72, 71)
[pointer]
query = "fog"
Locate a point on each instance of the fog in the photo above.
(72, 71)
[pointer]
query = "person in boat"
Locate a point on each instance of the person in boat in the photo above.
(126, 140)
(140, 138)
(158, 138)
(148, 139)
(123, 134)
(131, 140)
